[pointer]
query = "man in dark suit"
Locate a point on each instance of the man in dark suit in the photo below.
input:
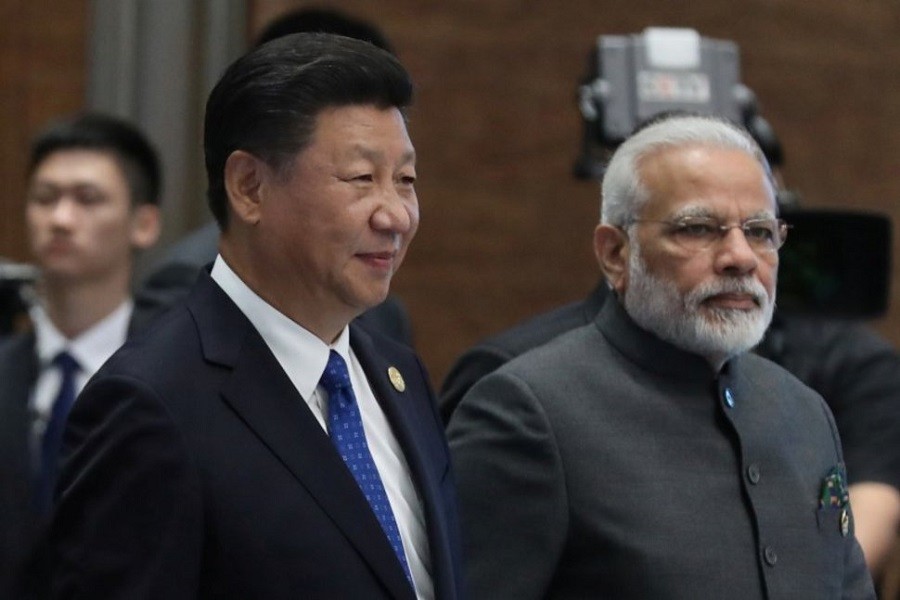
(659, 458)
(253, 443)
(93, 195)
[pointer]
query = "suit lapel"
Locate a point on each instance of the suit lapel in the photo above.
(406, 412)
(415, 425)
(261, 394)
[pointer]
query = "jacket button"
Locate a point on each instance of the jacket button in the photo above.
(770, 556)
(753, 473)
(728, 396)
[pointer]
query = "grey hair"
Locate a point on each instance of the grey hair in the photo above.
(623, 191)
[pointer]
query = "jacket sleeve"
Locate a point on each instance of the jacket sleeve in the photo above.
(466, 372)
(512, 491)
(128, 521)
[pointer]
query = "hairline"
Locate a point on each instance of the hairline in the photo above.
(624, 192)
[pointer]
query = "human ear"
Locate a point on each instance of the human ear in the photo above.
(243, 175)
(146, 223)
(612, 251)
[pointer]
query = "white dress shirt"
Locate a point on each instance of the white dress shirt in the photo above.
(90, 350)
(303, 357)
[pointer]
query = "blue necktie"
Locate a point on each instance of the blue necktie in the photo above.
(346, 430)
(52, 440)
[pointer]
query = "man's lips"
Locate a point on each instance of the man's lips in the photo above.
(379, 259)
(58, 246)
(734, 300)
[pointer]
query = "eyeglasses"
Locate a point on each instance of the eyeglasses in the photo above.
(700, 233)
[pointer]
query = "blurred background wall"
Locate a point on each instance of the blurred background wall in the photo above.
(506, 228)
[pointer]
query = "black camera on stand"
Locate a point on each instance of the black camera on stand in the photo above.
(836, 263)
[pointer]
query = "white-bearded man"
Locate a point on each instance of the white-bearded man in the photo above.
(648, 454)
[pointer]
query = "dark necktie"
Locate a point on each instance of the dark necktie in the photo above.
(346, 430)
(52, 440)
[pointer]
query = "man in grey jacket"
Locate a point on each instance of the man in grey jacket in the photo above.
(648, 454)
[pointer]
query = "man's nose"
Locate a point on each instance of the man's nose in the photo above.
(734, 253)
(63, 211)
(395, 212)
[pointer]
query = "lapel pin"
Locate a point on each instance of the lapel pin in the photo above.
(396, 379)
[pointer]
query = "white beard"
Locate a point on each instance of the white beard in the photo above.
(717, 334)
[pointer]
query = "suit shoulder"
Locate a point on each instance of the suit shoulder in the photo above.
(538, 330)
(159, 350)
(763, 370)
(18, 357)
(373, 346)
(16, 342)
(582, 347)
(375, 340)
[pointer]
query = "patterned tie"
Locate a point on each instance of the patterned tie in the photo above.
(346, 430)
(52, 440)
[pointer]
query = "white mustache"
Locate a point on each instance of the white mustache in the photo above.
(747, 285)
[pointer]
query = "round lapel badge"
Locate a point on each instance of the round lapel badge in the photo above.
(396, 379)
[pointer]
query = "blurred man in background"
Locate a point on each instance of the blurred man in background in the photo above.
(93, 194)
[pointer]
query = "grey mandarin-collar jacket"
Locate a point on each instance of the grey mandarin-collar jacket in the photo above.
(611, 464)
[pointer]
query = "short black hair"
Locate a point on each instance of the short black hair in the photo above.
(267, 102)
(323, 20)
(129, 147)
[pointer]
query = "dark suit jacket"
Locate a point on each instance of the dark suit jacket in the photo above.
(20, 525)
(172, 279)
(193, 469)
(23, 560)
(488, 355)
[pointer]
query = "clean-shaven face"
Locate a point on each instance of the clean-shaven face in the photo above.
(80, 218)
(337, 222)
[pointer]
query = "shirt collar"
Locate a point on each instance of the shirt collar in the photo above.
(300, 353)
(92, 347)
